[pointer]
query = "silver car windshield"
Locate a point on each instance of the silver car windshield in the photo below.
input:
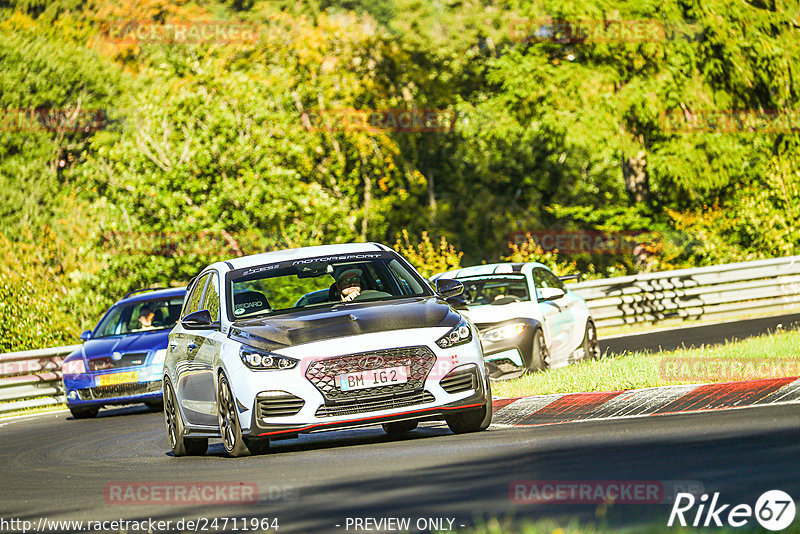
(319, 283)
(495, 290)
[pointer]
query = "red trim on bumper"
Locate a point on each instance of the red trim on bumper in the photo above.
(304, 428)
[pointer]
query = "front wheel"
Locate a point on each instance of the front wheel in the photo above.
(399, 427)
(172, 418)
(155, 406)
(82, 412)
(476, 420)
(591, 346)
(540, 359)
(229, 427)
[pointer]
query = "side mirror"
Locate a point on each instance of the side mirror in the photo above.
(86, 335)
(198, 319)
(550, 293)
(449, 288)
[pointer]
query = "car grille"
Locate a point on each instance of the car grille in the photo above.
(130, 359)
(376, 403)
(322, 373)
(459, 381)
(278, 406)
(119, 390)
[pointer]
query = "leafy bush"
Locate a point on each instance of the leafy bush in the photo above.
(429, 258)
(32, 296)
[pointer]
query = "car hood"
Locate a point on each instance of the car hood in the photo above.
(481, 315)
(139, 342)
(288, 329)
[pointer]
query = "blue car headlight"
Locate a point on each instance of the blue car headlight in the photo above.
(264, 360)
(159, 357)
(460, 334)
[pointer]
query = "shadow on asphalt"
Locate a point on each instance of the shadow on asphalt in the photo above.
(739, 460)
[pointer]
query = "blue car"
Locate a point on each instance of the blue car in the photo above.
(122, 359)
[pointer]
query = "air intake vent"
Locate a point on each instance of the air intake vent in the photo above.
(460, 380)
(279, 406)
(131, 359)
(378, 403)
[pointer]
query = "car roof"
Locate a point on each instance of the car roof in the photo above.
(300, 253)
(491, 268)
(154, 294)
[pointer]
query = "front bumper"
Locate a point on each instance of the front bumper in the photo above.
(83, 389)
(511, 354)
(426, 411)
(308, 398)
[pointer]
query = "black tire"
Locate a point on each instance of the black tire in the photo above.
(540, 356)
(84, 412)
(180, 445)
(257, 445)
(473, 420)
(155, 406)
(229, 427)
(399, 427)
(591, 346)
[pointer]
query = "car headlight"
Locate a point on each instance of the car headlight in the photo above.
(264, 360)
(73, 367)
(504, 332)
(159, 356)
(460, 334)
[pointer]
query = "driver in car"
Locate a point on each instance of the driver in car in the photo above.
(349, 284)
(146, 316)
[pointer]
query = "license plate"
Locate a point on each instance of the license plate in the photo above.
(373, 378)
(118, 378)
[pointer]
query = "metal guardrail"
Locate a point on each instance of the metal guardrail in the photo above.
(32, 379)
(717, 293)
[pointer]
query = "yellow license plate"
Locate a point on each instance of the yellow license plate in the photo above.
(118, 378)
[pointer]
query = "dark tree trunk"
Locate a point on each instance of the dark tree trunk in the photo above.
(637, 182)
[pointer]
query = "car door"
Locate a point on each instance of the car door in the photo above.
(192, 368)
(179, 337)
(201, 383)
(558, 317)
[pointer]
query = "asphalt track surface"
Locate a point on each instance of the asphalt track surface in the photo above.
(696, 336)
(57, 467)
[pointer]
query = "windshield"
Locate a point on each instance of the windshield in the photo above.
(140, 316)
(321, 282)
(495, 290)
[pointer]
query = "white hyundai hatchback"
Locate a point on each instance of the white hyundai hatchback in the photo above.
(314, 339)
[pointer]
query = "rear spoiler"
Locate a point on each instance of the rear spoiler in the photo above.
(569, 277)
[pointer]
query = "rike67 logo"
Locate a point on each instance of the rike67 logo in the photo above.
(774, 510)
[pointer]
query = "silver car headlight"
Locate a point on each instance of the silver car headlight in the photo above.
(460, 334)
(264, 360)
(504, 332)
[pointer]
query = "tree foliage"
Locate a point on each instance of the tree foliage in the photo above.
(210, 149)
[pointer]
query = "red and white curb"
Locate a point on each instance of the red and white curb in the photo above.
(569, 407)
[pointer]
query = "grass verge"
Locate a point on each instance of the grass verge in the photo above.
(768, 356)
